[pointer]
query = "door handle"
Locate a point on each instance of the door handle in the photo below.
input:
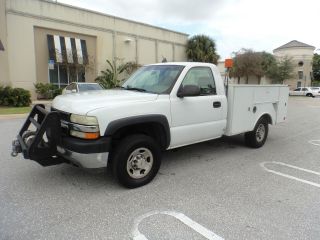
(216, 104)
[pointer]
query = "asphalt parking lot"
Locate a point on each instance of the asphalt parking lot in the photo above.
(213, 190)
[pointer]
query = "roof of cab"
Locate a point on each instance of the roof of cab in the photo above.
(184, 64)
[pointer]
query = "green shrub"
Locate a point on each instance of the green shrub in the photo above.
(16, 97)
(57, 91)
(47, 90)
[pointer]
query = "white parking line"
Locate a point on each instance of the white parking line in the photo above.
(289, 176)
(315, 142)
(136, 235)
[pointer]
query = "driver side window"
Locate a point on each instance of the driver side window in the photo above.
(201, 77)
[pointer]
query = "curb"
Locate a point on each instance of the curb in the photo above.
(13, 116)
(24, 115)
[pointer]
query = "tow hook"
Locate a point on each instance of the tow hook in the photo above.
(16, 148)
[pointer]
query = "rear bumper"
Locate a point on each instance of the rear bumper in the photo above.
(48, 146)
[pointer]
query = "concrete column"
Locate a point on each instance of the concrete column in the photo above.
(156, 48)
(114, 44)
(137, 49)
(4, 63)
(173, 53)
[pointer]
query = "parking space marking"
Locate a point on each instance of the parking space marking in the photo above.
(315, 142)
(289, 176)
(314, 106)
(136, 235)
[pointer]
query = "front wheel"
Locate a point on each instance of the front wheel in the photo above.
(258, 136)
(136, 160)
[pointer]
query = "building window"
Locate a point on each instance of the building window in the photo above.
(300, 75)
(300, 64)
(298, 84)
(62, 75)
(67, 60)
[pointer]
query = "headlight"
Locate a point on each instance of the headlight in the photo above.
(86, 120)
(85, 127)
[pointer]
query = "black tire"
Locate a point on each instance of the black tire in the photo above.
(126, 149)
(309, 95)
(28, 137)
(254, 139)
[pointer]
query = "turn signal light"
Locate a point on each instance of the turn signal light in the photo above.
(85, 135)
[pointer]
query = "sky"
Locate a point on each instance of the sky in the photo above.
(233, 24)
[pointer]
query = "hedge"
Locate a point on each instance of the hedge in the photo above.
(16, 97)
(47, 90)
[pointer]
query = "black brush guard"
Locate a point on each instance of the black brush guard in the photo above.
(41, 144)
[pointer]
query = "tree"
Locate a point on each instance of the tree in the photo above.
(282, 71)
(247, 63)
(202, 48)
(269, 64)
(316, 67)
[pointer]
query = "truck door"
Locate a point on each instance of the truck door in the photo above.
(304, 91)
(197, 118)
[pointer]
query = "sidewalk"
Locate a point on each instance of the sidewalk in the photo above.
(47, 103)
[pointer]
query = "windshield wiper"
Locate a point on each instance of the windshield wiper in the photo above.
(134, 88)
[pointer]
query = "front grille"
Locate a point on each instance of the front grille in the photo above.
(65, 117)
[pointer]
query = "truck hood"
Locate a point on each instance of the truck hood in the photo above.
(81, 103)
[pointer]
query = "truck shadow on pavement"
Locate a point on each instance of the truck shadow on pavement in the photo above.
(200, 152)
(75, 177)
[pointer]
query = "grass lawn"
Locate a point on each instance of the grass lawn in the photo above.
(14, 110)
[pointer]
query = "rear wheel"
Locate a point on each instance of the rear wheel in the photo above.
(258, 136)
(136, 160)
(309, 95)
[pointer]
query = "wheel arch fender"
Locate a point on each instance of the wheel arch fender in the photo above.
(267, 116)
(127, 122)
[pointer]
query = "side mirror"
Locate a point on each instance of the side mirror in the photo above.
(188, 91)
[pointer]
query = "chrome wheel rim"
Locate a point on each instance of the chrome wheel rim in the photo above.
(139, 163)
(260, 133)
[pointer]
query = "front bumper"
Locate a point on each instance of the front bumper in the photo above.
(85, 153)
(48, 146)
(85, 160)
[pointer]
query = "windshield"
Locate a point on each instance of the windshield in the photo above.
(89, 87)
(156, 78)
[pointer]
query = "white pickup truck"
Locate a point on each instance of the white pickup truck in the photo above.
(160, 107)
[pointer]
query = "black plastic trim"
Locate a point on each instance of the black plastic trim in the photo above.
(86, 146)
(114, 126)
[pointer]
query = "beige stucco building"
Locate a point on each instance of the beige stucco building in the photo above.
(301, 55)
(46, 41)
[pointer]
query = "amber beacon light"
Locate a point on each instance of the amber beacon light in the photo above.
(228, 63)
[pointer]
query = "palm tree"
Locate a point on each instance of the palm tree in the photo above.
(202, 48)
(110, 78)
